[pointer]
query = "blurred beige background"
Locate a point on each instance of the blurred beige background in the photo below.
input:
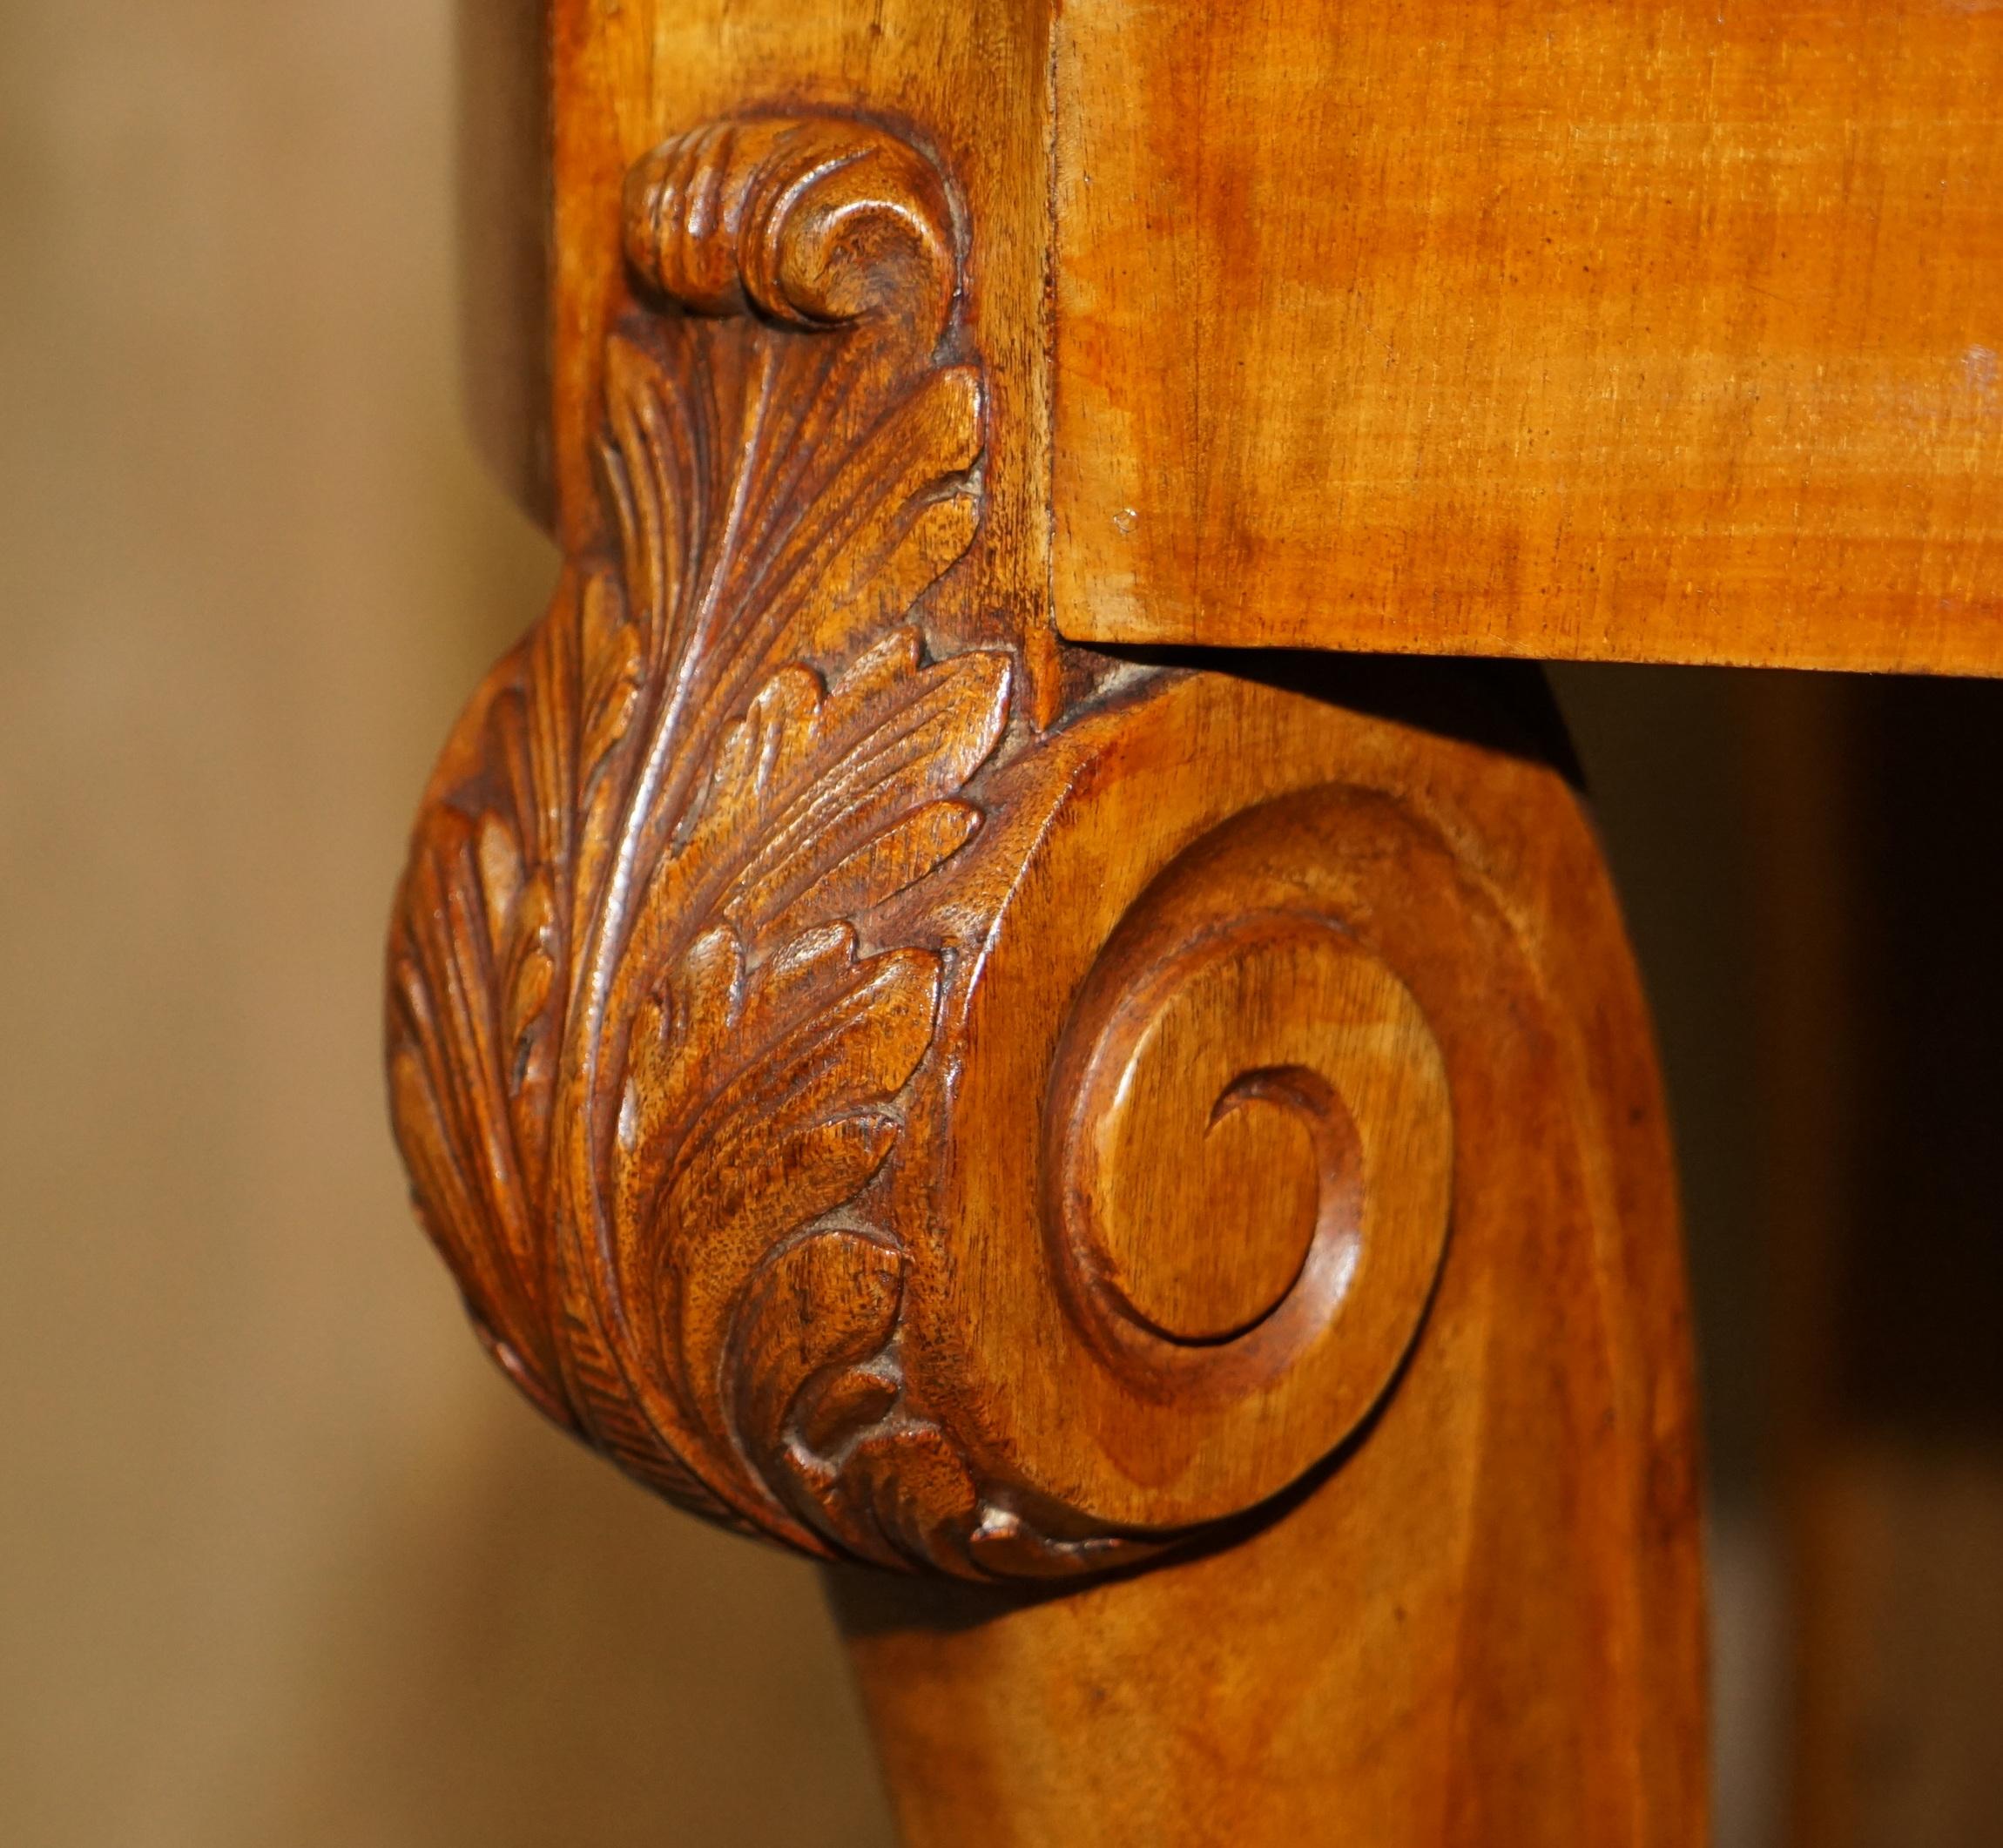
(281, 1561)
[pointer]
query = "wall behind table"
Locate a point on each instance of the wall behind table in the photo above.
(281, 1559)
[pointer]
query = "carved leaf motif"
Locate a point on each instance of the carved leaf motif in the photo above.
(660, 1015)
(648, 1054)
(767, 1052)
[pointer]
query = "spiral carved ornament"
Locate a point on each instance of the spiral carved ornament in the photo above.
(872, 1119)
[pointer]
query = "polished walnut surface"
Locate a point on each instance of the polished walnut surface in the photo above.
(1645, 332)
(1623, 331)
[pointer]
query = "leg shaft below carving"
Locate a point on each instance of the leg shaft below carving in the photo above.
(1480, 1622)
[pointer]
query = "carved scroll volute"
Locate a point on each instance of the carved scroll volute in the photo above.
(872, 1122)
(1212, 1185)
(812, 222)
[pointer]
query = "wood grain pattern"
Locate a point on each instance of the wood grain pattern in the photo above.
(1595, 331)
(1608, 331)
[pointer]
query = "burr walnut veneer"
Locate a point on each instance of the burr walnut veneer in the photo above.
(1149, 1161)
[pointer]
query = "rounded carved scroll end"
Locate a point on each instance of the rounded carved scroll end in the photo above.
(1238, 1110)
(1252, 1179)
(813, 221)
(1239, 1194)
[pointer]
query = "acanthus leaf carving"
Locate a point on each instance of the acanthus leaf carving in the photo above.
(651, 1049)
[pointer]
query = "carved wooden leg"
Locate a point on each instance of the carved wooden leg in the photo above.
(1176, 1159)
(1478, 1620)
